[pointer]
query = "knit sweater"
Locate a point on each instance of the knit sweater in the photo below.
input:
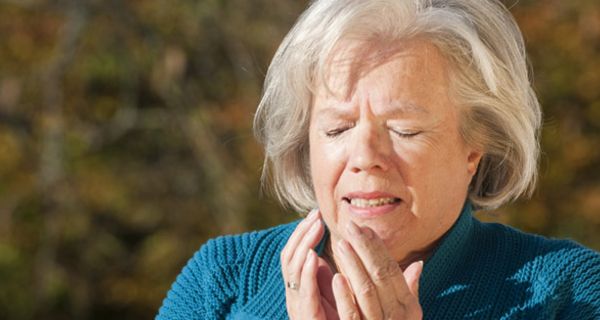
(479, 271)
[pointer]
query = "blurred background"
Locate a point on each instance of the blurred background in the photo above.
(126, 142)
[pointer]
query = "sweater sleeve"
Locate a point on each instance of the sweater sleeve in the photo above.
(585, 289)
(207, 286)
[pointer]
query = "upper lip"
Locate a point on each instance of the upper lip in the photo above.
(369, 195)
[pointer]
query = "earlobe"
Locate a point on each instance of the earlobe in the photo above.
(473, 161)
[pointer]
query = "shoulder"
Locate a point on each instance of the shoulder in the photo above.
(560, 270)
(559, 253)
(234, 249)
(229, 254)
(222, 272)
(519, 240)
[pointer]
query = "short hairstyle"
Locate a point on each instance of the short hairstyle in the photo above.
(500, 113)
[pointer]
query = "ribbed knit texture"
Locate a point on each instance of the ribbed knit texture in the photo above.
(479, 271)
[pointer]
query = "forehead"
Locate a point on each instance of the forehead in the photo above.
(410, 76)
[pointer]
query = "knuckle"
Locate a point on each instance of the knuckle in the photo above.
(367, 289)
(385, 272)
(404, 307)
(406, 298)
(351, 315)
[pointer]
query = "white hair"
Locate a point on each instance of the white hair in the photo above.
(500, 113)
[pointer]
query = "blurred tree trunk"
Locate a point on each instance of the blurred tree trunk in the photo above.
(227, 181)
(51, 175)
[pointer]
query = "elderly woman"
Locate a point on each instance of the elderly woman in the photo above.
(396, 119)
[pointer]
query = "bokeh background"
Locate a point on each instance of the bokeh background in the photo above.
(125, 141)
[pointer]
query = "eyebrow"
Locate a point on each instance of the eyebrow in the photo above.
(399, 109)
(404, 107)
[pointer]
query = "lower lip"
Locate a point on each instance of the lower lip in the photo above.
(372, 212)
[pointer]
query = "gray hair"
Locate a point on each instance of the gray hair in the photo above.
(500, 113)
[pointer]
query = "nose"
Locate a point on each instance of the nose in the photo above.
(370, 149)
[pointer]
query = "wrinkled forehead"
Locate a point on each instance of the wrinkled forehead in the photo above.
(351, 60)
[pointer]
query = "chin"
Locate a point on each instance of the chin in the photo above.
(389, 236)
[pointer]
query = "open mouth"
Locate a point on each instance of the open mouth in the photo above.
(371, 203)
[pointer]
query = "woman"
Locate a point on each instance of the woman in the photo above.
(396, 119)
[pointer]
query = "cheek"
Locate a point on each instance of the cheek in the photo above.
(327, 165)
(441, 177)
(428, 167)
(412, 161)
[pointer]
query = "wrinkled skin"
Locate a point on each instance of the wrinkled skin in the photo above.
(386, 131)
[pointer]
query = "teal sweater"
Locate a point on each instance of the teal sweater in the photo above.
(479, 271)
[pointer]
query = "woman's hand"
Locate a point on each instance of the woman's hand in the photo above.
(308, 278)
(372, 285)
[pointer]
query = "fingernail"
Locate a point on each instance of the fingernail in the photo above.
(338, 280)
(420, 270)
(312, 214)
(353, 229)
(314, 228)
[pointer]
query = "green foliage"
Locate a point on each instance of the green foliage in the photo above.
(125, 141)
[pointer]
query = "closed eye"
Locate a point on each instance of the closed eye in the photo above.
(333, 133)
(406, 134)
(337, 131)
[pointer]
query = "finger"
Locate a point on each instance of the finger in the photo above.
(364, 289)
(288, 251)
(346, 308)
(309, 241)
(309, 290)
(412, 274)
(296, 236)
(383, 271)
(324, 281)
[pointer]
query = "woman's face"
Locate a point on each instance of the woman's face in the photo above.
(385, 149)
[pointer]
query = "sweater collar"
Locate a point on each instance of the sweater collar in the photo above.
(450, 251)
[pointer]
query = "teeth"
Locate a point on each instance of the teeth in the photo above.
(369, 203)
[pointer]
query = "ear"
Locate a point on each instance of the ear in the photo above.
(473, 159)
